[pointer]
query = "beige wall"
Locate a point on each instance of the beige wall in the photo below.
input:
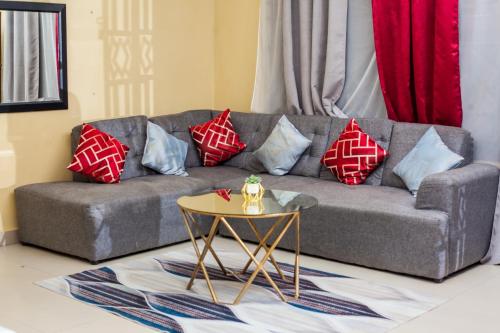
(236, 30)
(125, 57)
(129, 57)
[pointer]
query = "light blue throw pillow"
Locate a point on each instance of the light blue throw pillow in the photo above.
(164, 153)
(430, 155)
(283, 148)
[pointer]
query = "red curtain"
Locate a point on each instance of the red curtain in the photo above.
(416, 43)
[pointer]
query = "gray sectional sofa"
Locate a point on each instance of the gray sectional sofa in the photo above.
(380, 224)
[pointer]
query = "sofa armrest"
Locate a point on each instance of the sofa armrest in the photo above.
(475, 182)
(468, 196)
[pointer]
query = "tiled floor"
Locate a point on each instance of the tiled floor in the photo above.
(473, 306)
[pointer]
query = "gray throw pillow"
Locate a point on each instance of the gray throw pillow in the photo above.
(283, 148)
(163, 152)
(430, 155)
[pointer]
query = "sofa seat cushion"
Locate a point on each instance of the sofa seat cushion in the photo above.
(92, 194)
(219, 174)
(374, 226)
(365, 199)
(96, 221)
(271, 182)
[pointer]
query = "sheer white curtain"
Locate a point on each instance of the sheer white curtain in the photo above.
(317, 58)
(480, 83)
(29, 68)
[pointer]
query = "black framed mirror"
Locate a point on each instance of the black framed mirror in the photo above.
(33, 72)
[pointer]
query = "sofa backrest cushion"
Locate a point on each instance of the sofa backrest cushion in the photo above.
(178, 125)
(378, 129)
(130, 131)
(255, 128)
(316, 129)
(406, 135)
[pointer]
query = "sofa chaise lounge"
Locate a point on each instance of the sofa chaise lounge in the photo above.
(445, 228)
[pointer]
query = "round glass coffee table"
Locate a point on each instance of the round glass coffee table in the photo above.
(283, 206)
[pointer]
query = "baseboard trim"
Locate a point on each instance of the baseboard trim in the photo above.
(8, 237)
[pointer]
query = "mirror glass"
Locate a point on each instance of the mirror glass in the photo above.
(31, 56)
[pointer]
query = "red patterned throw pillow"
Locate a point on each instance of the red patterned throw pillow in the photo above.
(224, 193)
(217, 140)
(99, 156)
(354, 155)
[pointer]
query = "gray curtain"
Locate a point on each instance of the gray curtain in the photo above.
(317, 57)
(480, 75)
(362, 95)
(29, 68)
(301, 57)
(480, 82)
(493, 255)
(269, 89)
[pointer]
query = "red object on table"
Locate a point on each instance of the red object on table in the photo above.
(224, 193)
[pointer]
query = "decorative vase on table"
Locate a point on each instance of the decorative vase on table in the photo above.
(253, 207)
(253, 190)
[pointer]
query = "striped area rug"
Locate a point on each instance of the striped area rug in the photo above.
(152, 292)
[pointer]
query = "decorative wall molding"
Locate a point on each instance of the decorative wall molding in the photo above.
(8, 237)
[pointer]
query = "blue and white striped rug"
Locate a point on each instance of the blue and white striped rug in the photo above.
(152, 292)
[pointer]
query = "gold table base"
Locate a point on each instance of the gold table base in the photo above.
(285, 219)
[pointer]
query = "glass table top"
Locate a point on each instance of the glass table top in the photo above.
(274, 202)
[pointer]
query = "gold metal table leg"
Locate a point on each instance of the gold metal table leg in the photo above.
(263, 240)
(198, 254)
(297, 257)
(189, 221)
(216, 220)
(208, 246)
(260, 265)
(262, 244)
